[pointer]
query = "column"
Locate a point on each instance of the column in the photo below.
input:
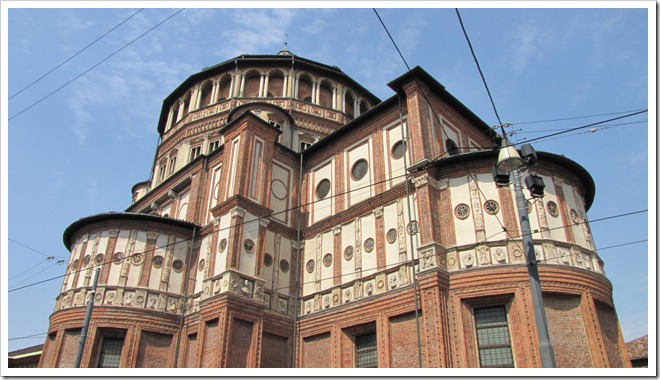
(285, 86)
(261, 86)
(334, 98)
(242, 88)
(214, 92)
(231, 87)
(170, 115)
(180, 113)
(266, 86)
(295, 90)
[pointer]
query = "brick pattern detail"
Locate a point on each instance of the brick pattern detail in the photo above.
(403, 341)
(210, 357)
(273, 351)
(567, 332)
(316, 350)
(191, 361)
(240, 342)
(69, 348)
(154, 350)
(610, 331)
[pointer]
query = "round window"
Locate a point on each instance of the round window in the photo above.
(348, 252)
(359, 169)
(327, 260)
(158, 261)
(574, 216)
(369, 245)
(491, 207)
(462, 211)
(284, 265)
(391, 235)
(177, 265)
(399, 149)
(552, 208)
(310, 266)
(323, 188)
(268, 260)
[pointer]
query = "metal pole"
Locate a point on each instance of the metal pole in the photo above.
(88, 314)
(545, 346)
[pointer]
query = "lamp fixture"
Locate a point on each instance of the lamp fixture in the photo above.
(508, 159)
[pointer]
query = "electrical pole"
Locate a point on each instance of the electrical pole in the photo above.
(545, 347)
(88, 314)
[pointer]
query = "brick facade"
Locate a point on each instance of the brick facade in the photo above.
(262, 269)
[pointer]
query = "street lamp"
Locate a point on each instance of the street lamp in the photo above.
(510, 161)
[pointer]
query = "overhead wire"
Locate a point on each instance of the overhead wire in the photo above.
(573, 117)
(93, 67)
(76, 54)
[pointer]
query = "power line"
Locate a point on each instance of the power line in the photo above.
(623, 244)
(586, 126)
(391, 39)
(77, 53)
(573, 118)
(602, 127)
(93, 67)
(29, 269)
(478, 66)
(31, 249)
(27, 336)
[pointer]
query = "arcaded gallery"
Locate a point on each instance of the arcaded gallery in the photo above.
(293, 219)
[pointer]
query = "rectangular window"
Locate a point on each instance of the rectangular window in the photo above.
(172, 165)
(493, 337)
(213, 145)
(366, 351)
(304, 145)
(161, 171)
(195, 152)
(110, 352)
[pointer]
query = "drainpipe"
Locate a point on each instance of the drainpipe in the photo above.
(88, 314)
(296, 289)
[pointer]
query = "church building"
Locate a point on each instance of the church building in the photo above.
(294, 219)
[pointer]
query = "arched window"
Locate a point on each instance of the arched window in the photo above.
(205, 98)
(348, 104)
(452, 148)
(275, 85)
(325, 95)
(252, 81)
(186, 102)
(305, 89)
(364, 107)
(225, 85)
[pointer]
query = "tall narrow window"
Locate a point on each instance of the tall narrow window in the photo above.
(161, 171)
(366, 351)
(110, 352)
(213, 145)
(493, 337)
(172, 165)
(195, 152)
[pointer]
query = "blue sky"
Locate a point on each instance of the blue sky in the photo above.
(79, 151)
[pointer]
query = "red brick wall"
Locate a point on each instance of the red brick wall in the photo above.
(50, 351)
(154, 350)
(273, 351)
(209, 357)
(610, 331)
(192, 351)
(567, 332)
(403, 341)
(69, 348)
(239, 344)
(317, 351)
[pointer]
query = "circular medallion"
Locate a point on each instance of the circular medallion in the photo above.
(327, 260)
(552, 208)
(74, 266)
(201, 265)
(248, 245)
(491, 207)
(310, 266)
(86, 260)
(391, 235)
(278, 189)
(137, 258)
(369, 245)
(268, 260)
(222, 245)
(158, 261)
(462, 211)
(98, 259)
(284, 265)
(177, 265)
(323, 188)
(348, 252)
(574, 216)
(118, 258)
(399, 149)
(359, 169)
